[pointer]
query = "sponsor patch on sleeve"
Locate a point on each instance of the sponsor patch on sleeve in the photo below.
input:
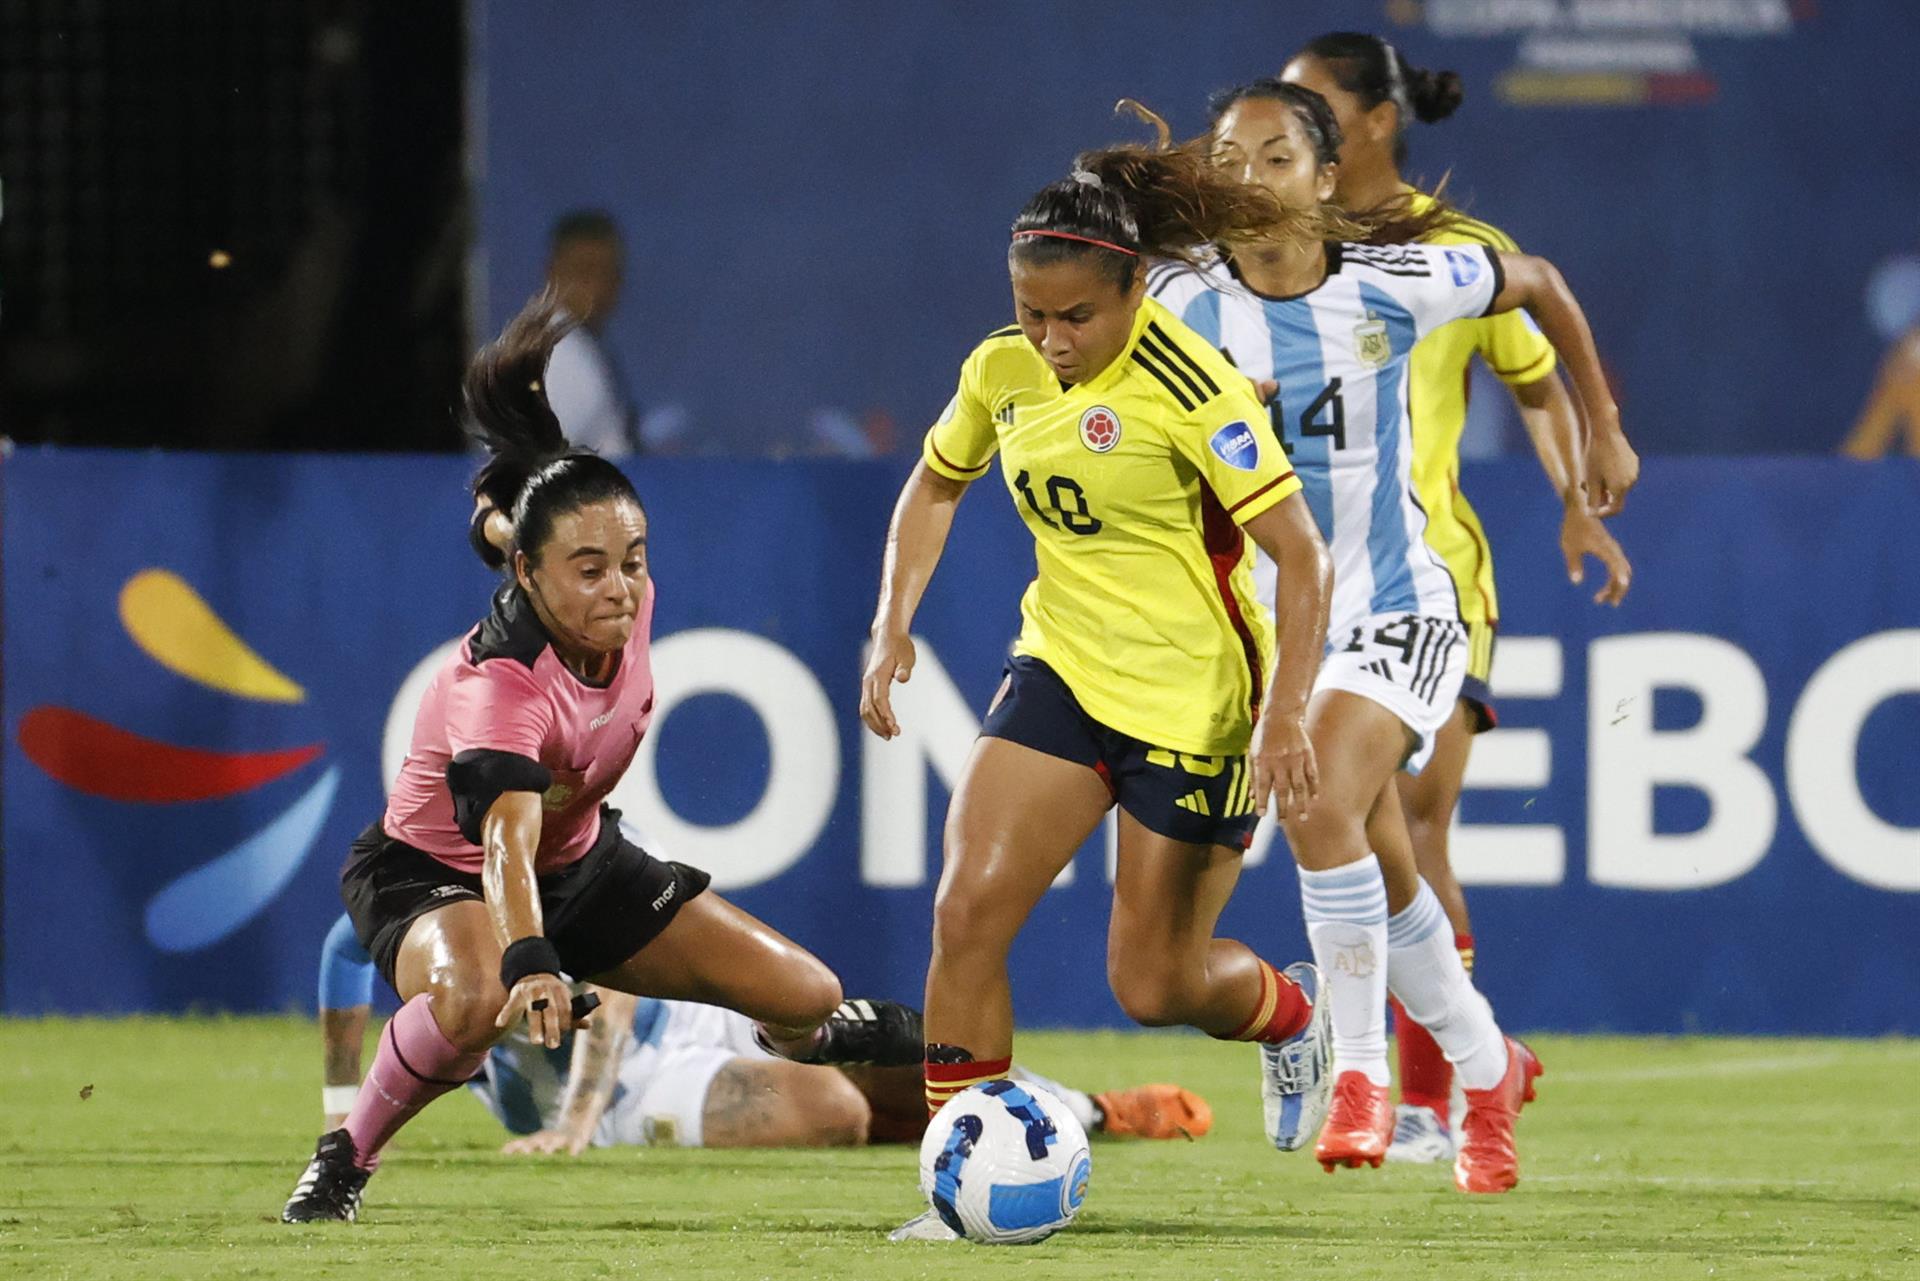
(1465, 267)
(1236, 446)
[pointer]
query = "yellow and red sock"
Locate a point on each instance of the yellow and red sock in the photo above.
(945, 1077)
(1280, 1012)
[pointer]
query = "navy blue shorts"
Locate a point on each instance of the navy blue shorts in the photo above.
(1201, 800)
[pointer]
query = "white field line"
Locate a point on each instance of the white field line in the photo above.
(1808, 1062)
(1704, 1181)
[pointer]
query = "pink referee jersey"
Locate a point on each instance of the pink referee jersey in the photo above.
(505, 691)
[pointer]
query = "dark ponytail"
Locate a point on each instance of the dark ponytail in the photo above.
(1131, 202)
(532, 475)
(1435, 94)
(1373, 71)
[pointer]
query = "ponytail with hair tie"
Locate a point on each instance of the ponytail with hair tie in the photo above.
(1434, 95)
(533, 473)
(1375, 72)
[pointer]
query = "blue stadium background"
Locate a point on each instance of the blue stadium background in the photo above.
(816, 200)
(817, 196)
(1791, 908)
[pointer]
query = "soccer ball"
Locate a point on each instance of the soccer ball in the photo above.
(1005, 1163)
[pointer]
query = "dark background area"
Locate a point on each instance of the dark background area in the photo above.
(232, 223)
(281, 224)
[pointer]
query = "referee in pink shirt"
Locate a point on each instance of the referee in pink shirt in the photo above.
(497, 872)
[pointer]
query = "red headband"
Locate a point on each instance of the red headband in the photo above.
(1085, 240)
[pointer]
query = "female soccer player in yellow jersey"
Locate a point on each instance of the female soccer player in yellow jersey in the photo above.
(1130, 450)
(1374, 94)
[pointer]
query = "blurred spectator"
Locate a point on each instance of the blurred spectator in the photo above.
(1894, 405)
(1891, 420)
(584, 382)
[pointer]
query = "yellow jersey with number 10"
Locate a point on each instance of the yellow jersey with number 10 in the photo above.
(1134, 485)
(1518, 353)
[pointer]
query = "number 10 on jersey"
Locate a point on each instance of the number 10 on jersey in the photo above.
(1065, 499)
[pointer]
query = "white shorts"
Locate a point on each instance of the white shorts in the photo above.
(661, 1095)
(1410, 664)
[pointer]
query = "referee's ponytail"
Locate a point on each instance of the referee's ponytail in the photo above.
(532, 474)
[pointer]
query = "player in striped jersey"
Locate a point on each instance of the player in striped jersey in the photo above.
(1331, 327)
(1130, 448)
(1374, 93)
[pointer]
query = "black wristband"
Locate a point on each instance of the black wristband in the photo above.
(530, 955)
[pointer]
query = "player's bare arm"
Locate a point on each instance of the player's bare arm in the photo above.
(918, 534)
(591, 1076)
(1611, 466)
(1283, 763)
(509, 835)
(1553, 424)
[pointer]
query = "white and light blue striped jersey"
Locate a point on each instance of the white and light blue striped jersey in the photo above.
(524, 1084)
(1339, 353)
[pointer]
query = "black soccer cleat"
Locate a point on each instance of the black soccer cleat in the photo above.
(875, 1033)
(331, 1187)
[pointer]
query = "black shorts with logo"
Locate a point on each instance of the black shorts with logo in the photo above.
(1202, 800)
(599, 910)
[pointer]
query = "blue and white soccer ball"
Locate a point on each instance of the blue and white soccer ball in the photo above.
(1005, 1163)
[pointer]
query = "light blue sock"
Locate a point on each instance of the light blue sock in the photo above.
(1346, 914)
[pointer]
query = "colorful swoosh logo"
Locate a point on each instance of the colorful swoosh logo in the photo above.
(176, 627)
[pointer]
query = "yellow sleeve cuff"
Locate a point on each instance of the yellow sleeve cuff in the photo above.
(1531, 372)
(1268, 495)
(947, 467)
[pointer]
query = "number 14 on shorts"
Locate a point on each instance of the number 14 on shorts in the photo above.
(1412, 651)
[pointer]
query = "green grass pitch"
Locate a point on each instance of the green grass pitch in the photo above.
(1644, 1158)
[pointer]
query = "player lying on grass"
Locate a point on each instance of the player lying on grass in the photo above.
(677, 1073)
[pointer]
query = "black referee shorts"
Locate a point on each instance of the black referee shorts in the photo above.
(1200, 800)
(599, 910)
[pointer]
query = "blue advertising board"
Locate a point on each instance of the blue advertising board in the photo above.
(1701, 811)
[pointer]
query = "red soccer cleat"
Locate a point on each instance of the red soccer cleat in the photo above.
(1359, 1124)
(1488, 1161)
(1154, 1112)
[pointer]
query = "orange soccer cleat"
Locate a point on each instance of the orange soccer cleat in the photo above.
(1488, 1161)
(1359, 1124)
(1154, 1112)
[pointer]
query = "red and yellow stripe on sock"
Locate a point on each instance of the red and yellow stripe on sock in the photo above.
(1280, 1012)
(944, 1080)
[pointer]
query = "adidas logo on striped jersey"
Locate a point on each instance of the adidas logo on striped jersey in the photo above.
(1004, 414)
(1394, 260)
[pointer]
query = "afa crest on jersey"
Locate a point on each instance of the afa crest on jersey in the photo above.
(1370, 345)
(1099, 429)
(1236, 445)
